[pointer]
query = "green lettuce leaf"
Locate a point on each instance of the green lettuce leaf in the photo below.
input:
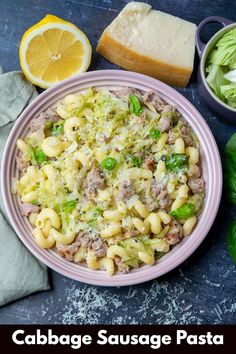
(232, 102)
(216, 79)
(226, 50)
(229, 91)
(231, 76)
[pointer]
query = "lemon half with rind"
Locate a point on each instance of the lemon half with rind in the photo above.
(53, 50)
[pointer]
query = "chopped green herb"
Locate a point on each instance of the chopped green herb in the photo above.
(57, 129)
(69, 206)
(136, 161)
(158, 255)
(155, 134)
(135, 105)
(176, 162)
(31, 154)
(109, 163)
(97, 212)
(92, 222)
(48, 124)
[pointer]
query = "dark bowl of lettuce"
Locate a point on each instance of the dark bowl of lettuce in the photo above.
(217, 70)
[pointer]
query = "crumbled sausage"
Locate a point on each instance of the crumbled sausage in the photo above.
(21, 164)
(141, 119)
(164, 200)
(155, 100)
(158, 190)
(172, 137)
(130, 232)
(156, 187)
(37, 123)
(175, 233)
(150, 203)
(186, 131)
(126, 190)
(68, 251)
(84, 239)
(148, 164)
(99, 247)
(28, 208)
(50, 115)
(94, 181)
(165, 123)
(196, 185)
(185, 134)
(162, 107)
(122, 267)
(125, 92)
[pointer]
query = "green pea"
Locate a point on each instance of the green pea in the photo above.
(109, 163)
(39, 156)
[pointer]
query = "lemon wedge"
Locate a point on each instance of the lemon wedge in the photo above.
(53, 50)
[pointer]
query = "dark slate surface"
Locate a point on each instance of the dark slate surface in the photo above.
(203, 289)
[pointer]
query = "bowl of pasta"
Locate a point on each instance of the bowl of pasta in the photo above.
(111, 178)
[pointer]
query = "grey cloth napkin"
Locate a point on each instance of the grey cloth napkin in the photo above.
(20, 273)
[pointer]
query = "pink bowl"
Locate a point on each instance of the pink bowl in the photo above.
(212, 174)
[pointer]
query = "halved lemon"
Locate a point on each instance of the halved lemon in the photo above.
(53, 50)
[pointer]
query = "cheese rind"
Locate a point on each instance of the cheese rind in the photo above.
(150, 42)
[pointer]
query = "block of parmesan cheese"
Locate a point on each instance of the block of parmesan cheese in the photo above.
(150, 42)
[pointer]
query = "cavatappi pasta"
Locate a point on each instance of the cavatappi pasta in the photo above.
(110, 178)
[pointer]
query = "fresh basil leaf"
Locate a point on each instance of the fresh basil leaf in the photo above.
(135, 105)
(230, 148)
(231, 240)
(184, 212)
(229, 163)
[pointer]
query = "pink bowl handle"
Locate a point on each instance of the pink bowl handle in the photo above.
(223, 21)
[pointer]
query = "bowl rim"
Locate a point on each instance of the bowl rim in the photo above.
(203, 59)
(145, 273)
